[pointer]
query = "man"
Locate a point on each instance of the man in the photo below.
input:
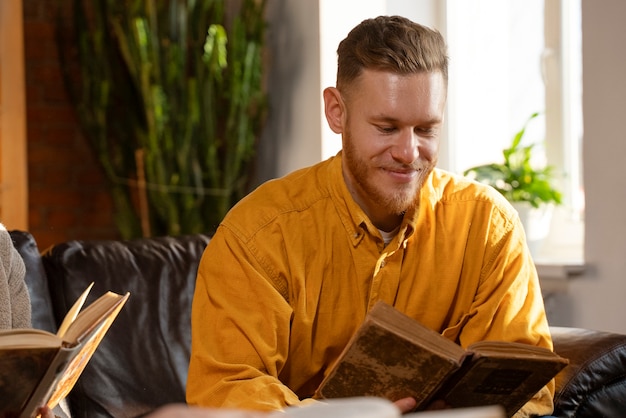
(295, 266)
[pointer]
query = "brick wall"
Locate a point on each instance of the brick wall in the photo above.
(68, 196)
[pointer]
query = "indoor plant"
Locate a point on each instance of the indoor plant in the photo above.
(170, 96)
(516, 178)
(529, 188)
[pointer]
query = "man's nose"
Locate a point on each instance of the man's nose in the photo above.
(405, 149)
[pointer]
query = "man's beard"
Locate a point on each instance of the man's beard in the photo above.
(396, 200)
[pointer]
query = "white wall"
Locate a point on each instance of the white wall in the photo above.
(597, 299)
(293, 138)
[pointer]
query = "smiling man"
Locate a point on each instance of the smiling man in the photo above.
(295, 266)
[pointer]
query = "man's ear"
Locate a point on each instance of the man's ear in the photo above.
(335, 109)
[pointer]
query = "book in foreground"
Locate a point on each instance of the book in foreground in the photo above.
(393, 356)
(372, 407)
(40, 368)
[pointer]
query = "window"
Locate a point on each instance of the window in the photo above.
(509, 60)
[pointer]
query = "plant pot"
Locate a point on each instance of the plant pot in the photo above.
(536, 222)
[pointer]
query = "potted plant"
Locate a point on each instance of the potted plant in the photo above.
(529, 188)
(170, 96)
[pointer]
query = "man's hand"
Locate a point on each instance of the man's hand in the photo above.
(406, 404)
(45, 412)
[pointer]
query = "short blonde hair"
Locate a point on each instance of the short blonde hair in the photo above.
(390, 43)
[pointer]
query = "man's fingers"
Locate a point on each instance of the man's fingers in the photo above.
(406, 404)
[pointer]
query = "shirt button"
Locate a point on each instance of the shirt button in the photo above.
(382, 263)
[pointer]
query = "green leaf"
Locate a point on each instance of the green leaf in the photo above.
(515, 177)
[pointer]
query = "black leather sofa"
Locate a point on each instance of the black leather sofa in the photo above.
(142, 362)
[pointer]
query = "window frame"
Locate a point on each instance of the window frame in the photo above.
(565, 242)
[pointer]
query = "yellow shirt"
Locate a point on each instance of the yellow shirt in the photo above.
(295, 266)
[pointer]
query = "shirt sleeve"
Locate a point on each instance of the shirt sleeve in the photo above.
(240, 331)
(15, 311)
(509, 304)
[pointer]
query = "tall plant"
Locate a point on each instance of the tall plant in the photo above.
(170, 96)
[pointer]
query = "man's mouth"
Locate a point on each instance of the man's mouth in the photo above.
(402, 175)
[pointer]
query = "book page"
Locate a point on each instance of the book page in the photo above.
(73, 312)
(91, 316)
(509, 349)
(27, 337)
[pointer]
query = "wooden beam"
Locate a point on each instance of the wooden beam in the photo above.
(13, 163)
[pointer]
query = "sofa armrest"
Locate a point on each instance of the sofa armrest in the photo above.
(594, 382)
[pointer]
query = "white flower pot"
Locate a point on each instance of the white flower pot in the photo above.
(536, 222)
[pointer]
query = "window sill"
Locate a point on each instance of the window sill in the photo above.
(554, 275)
(561, 256)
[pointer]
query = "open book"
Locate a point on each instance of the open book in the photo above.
(40, 368)
(393, 356)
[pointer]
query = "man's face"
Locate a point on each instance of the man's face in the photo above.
(391, 128)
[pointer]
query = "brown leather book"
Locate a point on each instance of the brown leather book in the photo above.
(393, 356)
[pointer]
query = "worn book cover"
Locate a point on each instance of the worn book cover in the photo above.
(40, 368)
(394, 356)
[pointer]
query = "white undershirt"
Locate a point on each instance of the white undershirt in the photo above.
(388, 236)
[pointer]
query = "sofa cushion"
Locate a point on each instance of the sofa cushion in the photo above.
(593, 385)
(36, 281)
(142, 361)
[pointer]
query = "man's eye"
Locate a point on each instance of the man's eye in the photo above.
(386, 129)
(425, 131)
